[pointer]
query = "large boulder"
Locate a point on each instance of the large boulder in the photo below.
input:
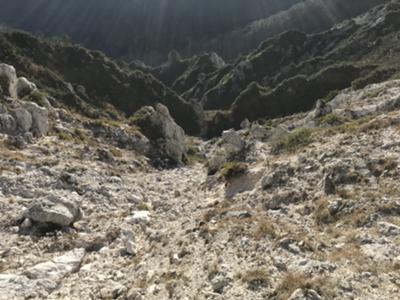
(23, 119)
(8, 79)
(166, 137)
(232, 142)
(54, 210)
(40, 118)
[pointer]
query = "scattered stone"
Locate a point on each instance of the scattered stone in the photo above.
(277, 178)
(238, 214)
(389, 229)
(128, 239)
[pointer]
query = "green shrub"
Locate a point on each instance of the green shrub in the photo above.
(292, 142)
(331, 120)
(331, 96)
(232, 170)
(39, 97)
(62, 135)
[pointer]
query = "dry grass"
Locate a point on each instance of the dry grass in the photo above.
(293, 281)
(265, 229)
(255, 279)
(321, 213)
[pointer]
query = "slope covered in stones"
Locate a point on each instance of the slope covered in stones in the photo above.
(305, 206)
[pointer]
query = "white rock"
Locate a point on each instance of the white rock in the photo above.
(57, 268)
(139, 217)
(40, 280)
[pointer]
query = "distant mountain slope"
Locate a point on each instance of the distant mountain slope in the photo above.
(91, 82)
(289, 72)
(309, 16)
(141, 29)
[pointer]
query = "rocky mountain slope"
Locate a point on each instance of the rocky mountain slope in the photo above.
(110, 190)
(305, 208)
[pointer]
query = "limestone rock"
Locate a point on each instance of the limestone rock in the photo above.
(232, 142)
(8, 79)
(23, 119)
(40, 121)
(139, 217)
(54, 210)
(41, 279)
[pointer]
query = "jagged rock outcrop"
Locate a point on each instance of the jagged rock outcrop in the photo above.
(167, 137)
(20, 117)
